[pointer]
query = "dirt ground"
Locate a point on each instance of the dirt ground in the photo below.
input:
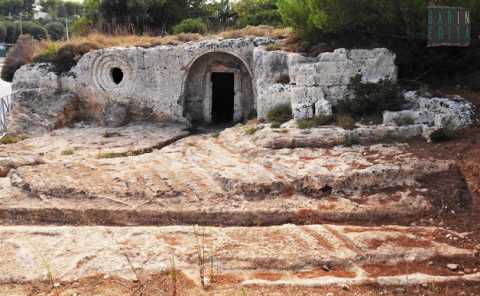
(163, 285)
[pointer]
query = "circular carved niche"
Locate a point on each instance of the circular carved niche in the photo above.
(112, 73)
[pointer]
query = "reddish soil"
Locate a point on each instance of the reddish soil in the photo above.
(162, 285)
(402, 240)
(336, 271)
(436, 266)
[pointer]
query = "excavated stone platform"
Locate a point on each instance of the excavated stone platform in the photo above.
(314, 255)
(148, 175)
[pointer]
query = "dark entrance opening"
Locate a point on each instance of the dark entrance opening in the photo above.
(223, 93)
(117, 75)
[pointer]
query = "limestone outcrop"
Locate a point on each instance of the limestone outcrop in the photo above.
(115, 86)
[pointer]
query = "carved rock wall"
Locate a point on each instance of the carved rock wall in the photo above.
(171, 83)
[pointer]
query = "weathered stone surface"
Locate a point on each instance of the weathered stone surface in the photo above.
(291, 254)
(316, 79)
(227, 180)
(434, 112)
(173, 83)
(39, 103)
(328, 136)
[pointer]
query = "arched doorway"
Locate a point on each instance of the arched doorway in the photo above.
(218, 90)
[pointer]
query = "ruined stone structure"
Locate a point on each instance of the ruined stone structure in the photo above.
(216, 81)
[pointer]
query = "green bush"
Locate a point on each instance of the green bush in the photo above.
(257, 12)
(35, 30)
(345, 121)
(369, 99)
(250, 130)
(19, 55)
(3, 32)
(81, 26)
(12, 139)
(191, 26)
(66, 57)
(442, 135)
(56, 30)
(317, 121)
(280, 114)
(275, 125)
(351, 141)
(13, 31)
(404, 120)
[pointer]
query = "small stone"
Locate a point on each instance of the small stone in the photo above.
(329, 294)
(106, 276)
(424, 285)
(400, 291)
(453, 267)
(468, 270)
(345, 287)
(326, 268)
(56, 285)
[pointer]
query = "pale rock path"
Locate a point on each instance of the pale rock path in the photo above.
(281, 255)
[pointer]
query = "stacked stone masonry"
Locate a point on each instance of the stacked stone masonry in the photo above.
(175, 83)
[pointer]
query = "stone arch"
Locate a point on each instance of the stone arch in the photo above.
(197, 97)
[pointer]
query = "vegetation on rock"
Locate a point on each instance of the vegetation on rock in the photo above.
(280, 114)
(371, 98)
(19, 55)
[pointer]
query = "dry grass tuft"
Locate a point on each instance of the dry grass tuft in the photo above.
(106, 41)
(258, 31)
(146, 41)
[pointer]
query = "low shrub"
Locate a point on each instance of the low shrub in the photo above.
(273, 47)
(280, 114)
(404, 120)
(351, 141)
(192, 25)
(368, 99)
(314, 122)
(66, 57)
(12, 139)
(250, 130)
(275, 125)
(390, 137)
(345, 121)
(19, 55)
(68, 152)
(442, 135)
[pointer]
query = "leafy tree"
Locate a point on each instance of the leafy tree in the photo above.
(3, 32)
(60, 8)
(13, 31)
(56, 30)
(35, 30)
(257, 12)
